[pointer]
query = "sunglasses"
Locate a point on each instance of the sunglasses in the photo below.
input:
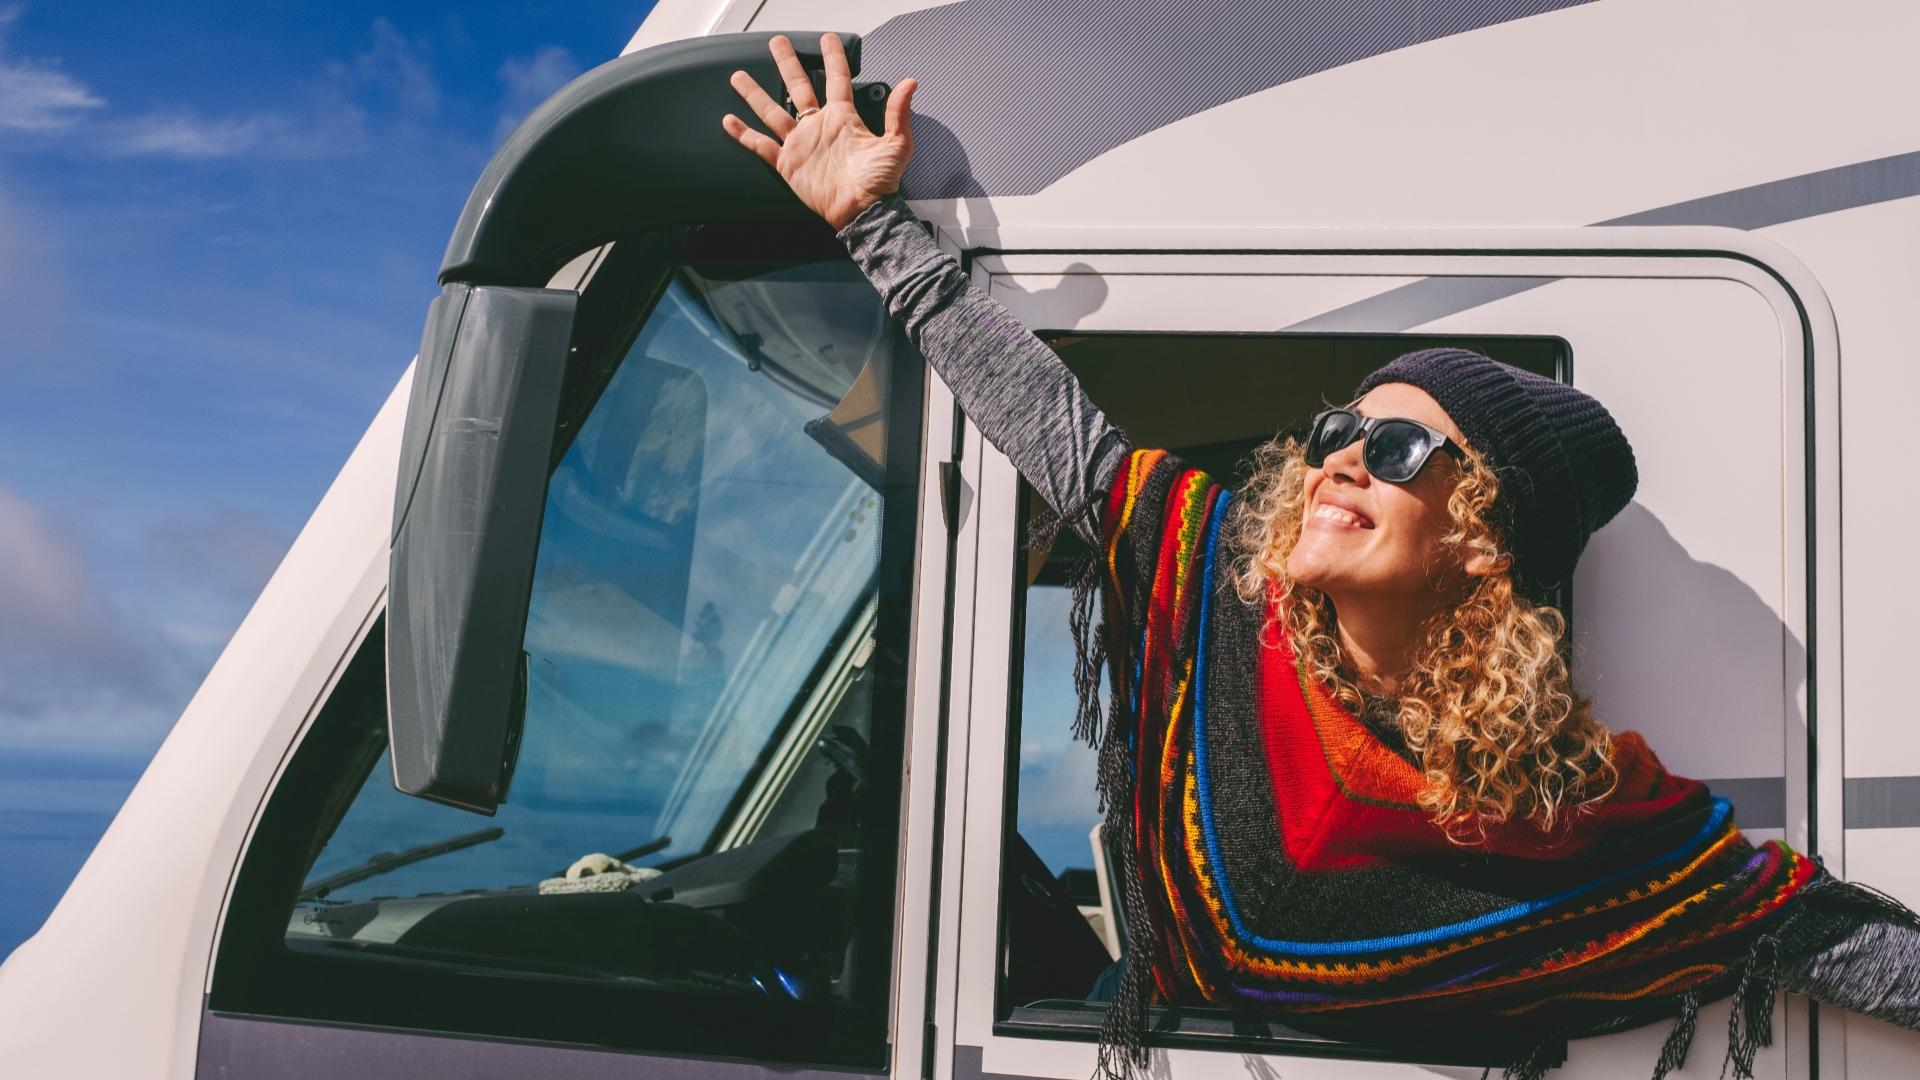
(1396, 448)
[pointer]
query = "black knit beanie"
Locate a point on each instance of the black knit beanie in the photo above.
(1563, 465)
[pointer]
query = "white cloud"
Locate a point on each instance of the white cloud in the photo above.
(88, 667)
(35, 95)
(184, 135)
(34, 98)
(44, 587)
(1057, 773)
(529, 80)
(392, 78)
(382, 94)
(189, 136)
(1058, 786)
(72, 671)
(222, 554)
(35, 302)
(398, 66)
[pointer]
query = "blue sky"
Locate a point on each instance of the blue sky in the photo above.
(219, 229)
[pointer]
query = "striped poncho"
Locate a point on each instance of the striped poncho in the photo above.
(1274, 859)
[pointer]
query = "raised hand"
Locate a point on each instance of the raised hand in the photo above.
(826, 154)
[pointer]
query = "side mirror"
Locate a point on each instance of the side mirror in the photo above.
(473, 482)
(632, 146)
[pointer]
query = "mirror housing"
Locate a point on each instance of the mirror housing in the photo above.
(631, 146)
(634, 145)
(473, 482)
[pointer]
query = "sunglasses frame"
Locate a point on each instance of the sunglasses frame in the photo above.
(1436, 440)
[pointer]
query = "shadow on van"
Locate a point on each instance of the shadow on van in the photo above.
(1689, 654)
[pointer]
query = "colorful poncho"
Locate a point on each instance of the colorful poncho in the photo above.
(1278, 861)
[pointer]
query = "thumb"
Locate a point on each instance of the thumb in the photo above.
(900, 109)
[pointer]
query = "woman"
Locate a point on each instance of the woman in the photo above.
(1349, 776)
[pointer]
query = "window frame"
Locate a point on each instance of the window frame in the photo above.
(254, 975)
(981, 1041)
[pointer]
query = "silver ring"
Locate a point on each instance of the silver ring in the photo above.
(806, 112)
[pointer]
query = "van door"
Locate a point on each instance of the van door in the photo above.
(663, 578)
(1702, 616)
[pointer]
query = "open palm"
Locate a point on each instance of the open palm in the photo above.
(826, 154)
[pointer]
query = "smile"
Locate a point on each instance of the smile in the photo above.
(1334, 514)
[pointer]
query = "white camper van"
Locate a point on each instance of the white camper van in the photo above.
(663, 687)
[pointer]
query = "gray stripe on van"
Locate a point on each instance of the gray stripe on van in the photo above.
(968, 1064)
(1092, 76)
(267, 1049)
(1843, 187)
(1870, 802)
(1824, 191)
(1759, 802)
(1417, 303)
(1882, 802)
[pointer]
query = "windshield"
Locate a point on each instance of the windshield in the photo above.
(704, 602)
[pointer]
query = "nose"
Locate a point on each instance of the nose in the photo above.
(1348, 464)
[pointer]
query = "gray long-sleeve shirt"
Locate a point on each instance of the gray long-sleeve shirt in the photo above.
(1009, 382)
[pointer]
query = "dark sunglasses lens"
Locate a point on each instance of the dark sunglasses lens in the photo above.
(1331, 431)
(1396, 449)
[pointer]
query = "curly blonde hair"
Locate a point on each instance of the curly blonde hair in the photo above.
(1487, 708)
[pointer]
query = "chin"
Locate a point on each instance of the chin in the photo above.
(1311, 572)
(1334, 578)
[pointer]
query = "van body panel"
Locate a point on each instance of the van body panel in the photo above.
(1768, 146)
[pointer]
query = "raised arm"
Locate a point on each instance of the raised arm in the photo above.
(1017, 390)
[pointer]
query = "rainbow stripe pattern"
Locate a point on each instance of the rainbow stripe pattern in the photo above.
(1287, 869)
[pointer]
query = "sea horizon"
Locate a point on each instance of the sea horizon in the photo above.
(55, 804)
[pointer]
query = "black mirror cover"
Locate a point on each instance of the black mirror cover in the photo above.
(472, 487)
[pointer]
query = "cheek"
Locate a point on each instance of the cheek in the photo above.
(1436, 559)
(1427, 523)
(1416, 538)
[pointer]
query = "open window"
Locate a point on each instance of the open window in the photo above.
(1060, 921)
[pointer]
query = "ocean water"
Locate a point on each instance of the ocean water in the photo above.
(54, 806)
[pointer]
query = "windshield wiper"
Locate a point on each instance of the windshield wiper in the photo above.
(387, 860)
(658, 843)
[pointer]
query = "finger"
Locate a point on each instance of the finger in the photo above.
(839, 74)
(900, 109)
(778, 120)
(799, 86)
(756, 141)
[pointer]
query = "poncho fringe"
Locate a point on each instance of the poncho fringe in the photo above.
(1268, 844)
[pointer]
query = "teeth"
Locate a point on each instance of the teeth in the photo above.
(1334, 513)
